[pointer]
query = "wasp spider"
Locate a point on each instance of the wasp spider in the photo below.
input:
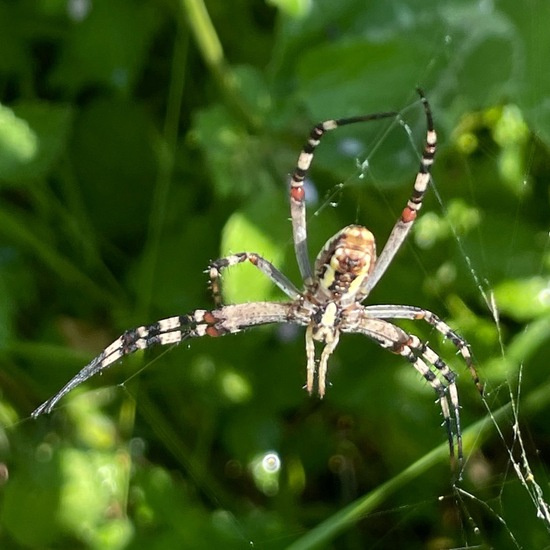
(331, 302)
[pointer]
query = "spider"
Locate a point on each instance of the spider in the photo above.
(344, 273)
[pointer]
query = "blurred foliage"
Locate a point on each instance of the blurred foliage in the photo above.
(137, 142)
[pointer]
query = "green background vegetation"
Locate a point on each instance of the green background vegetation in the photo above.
(139, 140)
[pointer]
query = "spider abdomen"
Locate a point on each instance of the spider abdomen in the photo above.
(344, 263)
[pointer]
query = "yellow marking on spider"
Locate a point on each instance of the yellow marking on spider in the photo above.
(329, 316)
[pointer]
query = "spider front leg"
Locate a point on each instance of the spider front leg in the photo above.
(267, 268)
(448, 394)
(420, 357)
(172, 331)
(415, 313)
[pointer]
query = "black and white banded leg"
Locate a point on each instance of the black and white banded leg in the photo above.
(297, 191)
(405, 222)
(415, 313)
(420, 356)
(266, 267)
(173, 330)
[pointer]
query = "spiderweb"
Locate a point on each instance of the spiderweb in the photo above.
(478, 257)
(479, 502)
(518, 468)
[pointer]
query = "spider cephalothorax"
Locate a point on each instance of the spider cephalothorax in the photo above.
(345, 272)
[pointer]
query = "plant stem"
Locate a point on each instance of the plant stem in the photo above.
(211, 50)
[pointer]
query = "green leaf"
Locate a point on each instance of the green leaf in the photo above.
(293, 8)
(18, 143)
(32, 137)
(524, 299)
(243, 233)
(232, 154)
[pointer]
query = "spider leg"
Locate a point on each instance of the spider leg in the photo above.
(408, 351)
(420, 356)
(173, 330)
(267, 268)
(417, 313)
(404, 224)
(297, 190)
(450, 391)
